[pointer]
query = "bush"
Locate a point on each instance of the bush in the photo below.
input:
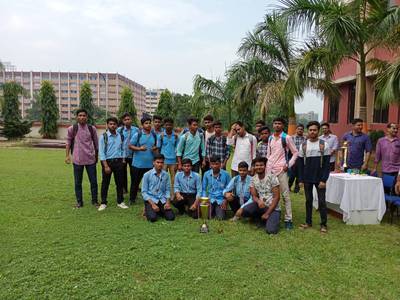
(16, 129)
(375, 135)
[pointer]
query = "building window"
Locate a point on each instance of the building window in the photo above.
(381, 114)
(333, 113)
(351, 103)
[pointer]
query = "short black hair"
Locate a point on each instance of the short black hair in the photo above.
(156, 117)
(186, 161)
(112, 119)
(300, 125)
(239, 123)
(81, 110)
(390, 124)
(325, 124)
(215, 158)
(190, 120)
(168, 120)
(262, 122)
(158, 156)
(263, 128)
(357, 120)
(313, 123)
(217, 123)
(259, 159)
(126, 115)
(243, 165)
(145, 119)
(208, 118)
(279, 119)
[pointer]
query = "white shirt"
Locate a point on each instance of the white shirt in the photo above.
(243, 150)
(333, 143)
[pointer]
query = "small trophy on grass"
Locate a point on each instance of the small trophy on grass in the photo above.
(204, 211)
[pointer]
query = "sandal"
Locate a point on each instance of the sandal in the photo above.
(305, 226)
(323, 229)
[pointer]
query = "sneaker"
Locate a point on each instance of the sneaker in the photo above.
(123, 205)
(288, 225)
(323, 229)
(102, 207)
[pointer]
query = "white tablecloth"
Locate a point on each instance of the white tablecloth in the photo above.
(355, 194)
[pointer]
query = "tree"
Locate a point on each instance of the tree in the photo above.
(49, 109)
(86, 101)
(35, 112)
(14, 127)
(182, 107)
(165, 105)
(127, 105)
(351, 30)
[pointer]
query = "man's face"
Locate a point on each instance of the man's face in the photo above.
(168, 126)
(313, 131)
(243, 172)
(215, 166)
(158, 164)
(187, 168)
(300, 131)
(194, 126)
(112, 126)
(278, 126)
(258, 126)
(218, 129)
(240, 130)
(325, 129)
(127, 121)
(358, 127)
(81, 118)
(207, 124)
(259, 167)
(264, 135)
(157, 123)
(392, 130)
(147, 125)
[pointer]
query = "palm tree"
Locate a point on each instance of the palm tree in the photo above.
(351, 30)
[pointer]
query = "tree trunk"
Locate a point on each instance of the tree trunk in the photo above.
(292, 118)
(363, 93)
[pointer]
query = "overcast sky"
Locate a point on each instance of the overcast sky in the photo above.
(158, 43)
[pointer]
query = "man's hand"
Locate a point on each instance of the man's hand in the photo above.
(68, 159)
(229, 196)
(203, 163)
(261, 204)
(107, 170)
(178, 196)
(397, 186)
(285, 169)
(322, 185)
(364, 167)
(265, 216)
(301, 185)
(179, 167)
(224, 204)
(155, 207)
(195, 205)
(143, 148)
(167, 206)
(124, 161)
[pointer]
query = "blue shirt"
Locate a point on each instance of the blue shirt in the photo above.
(190, 146)
(114, 149)
(156, 187)
(241, 189)
(358, 144)
(143, 159)
(214, 186)
(188, 184)
(168, 147)
(128, 133)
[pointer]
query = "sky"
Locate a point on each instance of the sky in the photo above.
(157, 43)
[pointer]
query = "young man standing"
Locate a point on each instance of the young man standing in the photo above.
(144, 145)
(359, 147)
(298, 140)
(157, 124)
(237, 193)
(262, 146)
(166, 144)
(388, 151)
(264, 189)
(217, 146)
(187, 189)
(278, 163)
(215, 181)
(333, 143)
(191, 145)
(156, 192)
(314, 170)
(127, 130)
(112, 153)
(209, 131)
(259, 124)
(245, 145)
(82, 142)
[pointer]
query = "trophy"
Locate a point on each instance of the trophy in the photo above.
(344, 149)
(204, 210)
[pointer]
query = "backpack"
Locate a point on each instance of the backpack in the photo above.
(251, 143)
(93, 134)
(284, 145)
(321, 150)
(105, 137)
(162, 140)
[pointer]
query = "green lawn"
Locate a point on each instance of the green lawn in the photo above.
(50, 250)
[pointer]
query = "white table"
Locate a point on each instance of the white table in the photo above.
(360, 199)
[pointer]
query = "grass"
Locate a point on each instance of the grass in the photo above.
(50, 250)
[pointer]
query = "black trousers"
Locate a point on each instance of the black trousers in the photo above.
(206, 168)
(235, 204)
(332, 166)
(78, 177)
(217, 211)
(116, 167)
(153, 215)
(253, 211)
(136, 178)
(294, 177)
(308, 190)
(125, 173)
(196, 167)
(185, 204)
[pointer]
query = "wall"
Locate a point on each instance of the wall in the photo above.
(62, 130)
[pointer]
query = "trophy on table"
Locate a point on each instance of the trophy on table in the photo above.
(205, 213)
(345, 150)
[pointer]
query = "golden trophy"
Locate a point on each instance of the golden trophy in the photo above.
(204, 211)
(344, 149)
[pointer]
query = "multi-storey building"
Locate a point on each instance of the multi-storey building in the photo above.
(152, 99)
(106, 88)
(310, 116)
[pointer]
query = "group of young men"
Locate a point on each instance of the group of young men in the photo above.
(177, 169)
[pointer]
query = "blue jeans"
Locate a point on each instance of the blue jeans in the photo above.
(78, 176)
